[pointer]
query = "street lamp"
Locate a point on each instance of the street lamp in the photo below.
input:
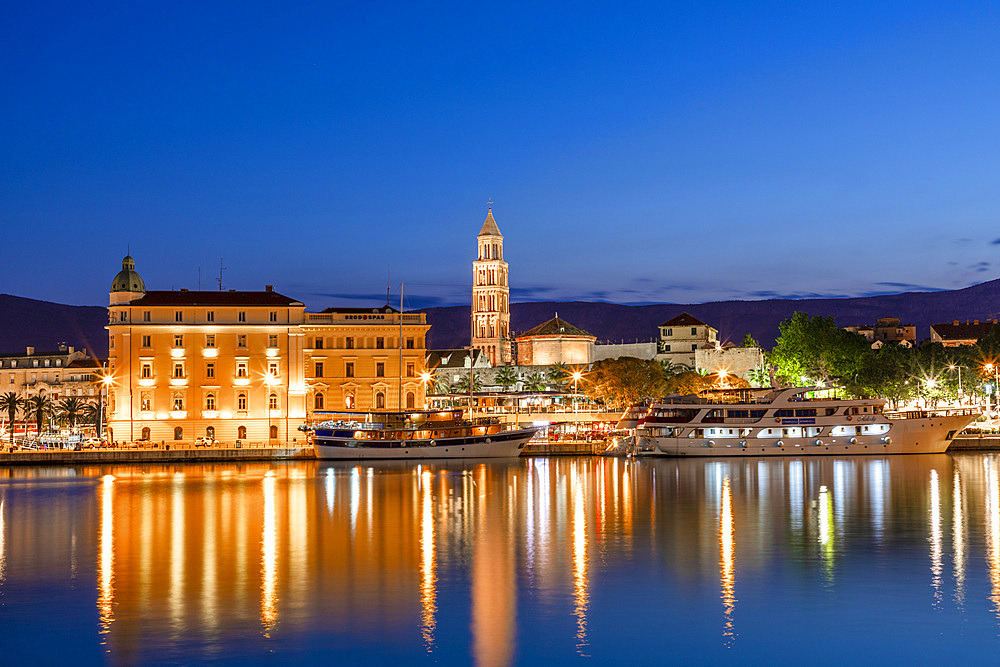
(960, 392)
(425, 378)
(105, 386)
(576, 421)
(995, 369)
(269, 381)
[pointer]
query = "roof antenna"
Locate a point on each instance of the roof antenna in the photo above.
(387, 284)
(221, 269)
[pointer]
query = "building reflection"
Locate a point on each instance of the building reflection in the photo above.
(727, 562)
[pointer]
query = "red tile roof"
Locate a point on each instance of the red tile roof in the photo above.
(683, 320)
(214, 298)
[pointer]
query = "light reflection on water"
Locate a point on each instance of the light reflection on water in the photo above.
(500, 562)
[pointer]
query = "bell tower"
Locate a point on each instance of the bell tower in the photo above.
(491, 295)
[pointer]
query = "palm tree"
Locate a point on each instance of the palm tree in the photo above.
(506, 377)
(40, 407)
(71, 408)
(535, 382)
(89, 412)
(462, 386)
(11, 403)
(559, 373)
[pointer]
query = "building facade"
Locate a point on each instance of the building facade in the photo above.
(364, 359)
(249, 366)
(555, 341)
(491, 296)
(886, 330)
(956, 333)
(57, 374)
(681, 337)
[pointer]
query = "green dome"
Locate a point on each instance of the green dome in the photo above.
(127, 279)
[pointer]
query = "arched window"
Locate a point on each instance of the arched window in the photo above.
(410, 400)
(272, 401)
(241, 402)
(241, 432)
(318, 401)
(209, 401)
(178, 433)
(379, 401)
(274, 432)
(210, 433)
(349, 401)
(145, 433)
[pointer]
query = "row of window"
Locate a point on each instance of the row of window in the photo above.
(242, 370)
(670, 332)
(178, 401)
(319, 343)
(45, 363)
(241, 316)
(241, 433)
(318, 368)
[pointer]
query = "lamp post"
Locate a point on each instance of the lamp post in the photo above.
(425, 378)
(269, 381)
(105, 386)
(995, 369)
(960, 394)
(576, 420)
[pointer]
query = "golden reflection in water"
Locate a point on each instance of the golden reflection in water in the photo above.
(826, 529)
(268, 558)
(935, 538)
(428, 576)
(958, 537)
(177, 555)
(106, 558)
(993, 531)
(494, 585)
(3, 543)
(580, 584)
(209, 551)
(727, 562)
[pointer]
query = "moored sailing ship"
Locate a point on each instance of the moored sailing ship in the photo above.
(783, 422)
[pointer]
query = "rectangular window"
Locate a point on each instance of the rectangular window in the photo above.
(666, 348)
(111, 346)
(694, 347)
(210, 370)
(409, 343)
(694, 331)
(209, 340)
(670, 332)
(272, 340)
(272, 369)
(241, 340)
(147, 370)
(147, 316)
(349, 343)
(210, 316)
(319, 369)
(380, 343)
(274, 316)
(410, 370)
(178, 340)
(179, 316)
(318, 343)
(179, 371)
(178, 402)
(122, 316)
(241, 369)
(242, 317)
(380, 369)
(349, 369)
(147, 341)
(145, 403)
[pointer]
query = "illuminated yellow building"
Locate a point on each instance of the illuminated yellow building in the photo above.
(365, 359)
(187, 364)
(491, 296)
(248, 366)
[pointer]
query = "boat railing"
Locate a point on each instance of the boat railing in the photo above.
(932, 412)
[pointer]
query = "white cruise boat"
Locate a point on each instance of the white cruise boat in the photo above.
(439, 434)
(787, 422)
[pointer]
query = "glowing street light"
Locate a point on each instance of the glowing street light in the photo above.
(960, 393)
(576, 421)
(995, 369)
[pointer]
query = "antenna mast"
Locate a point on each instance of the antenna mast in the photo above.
(221, 269)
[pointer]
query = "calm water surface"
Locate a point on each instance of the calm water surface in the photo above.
(818, 560)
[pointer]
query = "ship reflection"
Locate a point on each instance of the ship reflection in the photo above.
(727, 562)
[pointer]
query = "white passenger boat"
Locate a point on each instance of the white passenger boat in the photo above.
(782, 422)
(440, 434)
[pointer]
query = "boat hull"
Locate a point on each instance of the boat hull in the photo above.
(925, 435)
(506, 444)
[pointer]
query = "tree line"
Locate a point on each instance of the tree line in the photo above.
(40, 408)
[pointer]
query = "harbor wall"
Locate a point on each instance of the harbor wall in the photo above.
(104, 456)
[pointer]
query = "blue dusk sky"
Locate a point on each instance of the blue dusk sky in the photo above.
(635, 152)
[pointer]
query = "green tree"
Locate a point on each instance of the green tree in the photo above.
(749, 341)
(624, 381)
(461, 386)
(39, 407)
(506, 377)
(759, 377)
(886, 373)
(559, 373)
(689, 382)
(670, 369)
(70, 409)
(535, 382)
(814, 348)
(11, 403)
(89, 413)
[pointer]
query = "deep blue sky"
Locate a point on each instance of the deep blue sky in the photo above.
(660, 152)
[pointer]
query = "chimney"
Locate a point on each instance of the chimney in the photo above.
(71, 350)
(975, 321)
(31, 350)
(268, 288)
(955, 323)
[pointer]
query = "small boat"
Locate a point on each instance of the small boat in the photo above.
(787, 422)
(437, 434)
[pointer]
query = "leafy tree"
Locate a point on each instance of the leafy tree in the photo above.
(689, 382)
(89, 413)
(70, 409)
(39, 407)
(535, 382)
(759, 377)
(559, 373)
(461, 386)
(625, 380)
(816, 348)
(506, 377)
(749, 341)
(11, 403)
(670, 369)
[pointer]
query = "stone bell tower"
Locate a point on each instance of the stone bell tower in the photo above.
(491, 296)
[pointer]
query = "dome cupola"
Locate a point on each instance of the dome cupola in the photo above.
(127, 279)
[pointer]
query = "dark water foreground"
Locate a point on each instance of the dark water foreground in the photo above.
(821, 560)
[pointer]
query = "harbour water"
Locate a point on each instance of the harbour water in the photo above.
(820, 560)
